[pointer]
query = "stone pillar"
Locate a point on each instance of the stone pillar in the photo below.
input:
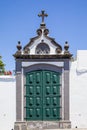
(66, 90)
(18, 92)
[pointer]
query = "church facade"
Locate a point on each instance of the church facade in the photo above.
(42, 82)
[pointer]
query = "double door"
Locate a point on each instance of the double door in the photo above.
(42, 95)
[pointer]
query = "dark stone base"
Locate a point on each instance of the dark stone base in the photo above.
(41, 125)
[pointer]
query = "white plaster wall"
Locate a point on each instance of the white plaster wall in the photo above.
(7, 102)
(78, 92)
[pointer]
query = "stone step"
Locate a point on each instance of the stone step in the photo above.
(69, 129)
(45, 125)
(41, 125)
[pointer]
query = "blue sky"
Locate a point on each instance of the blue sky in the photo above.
(67, 21)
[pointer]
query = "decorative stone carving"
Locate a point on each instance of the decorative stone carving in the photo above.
(43, 15)
(46, 32)
(19, 47)
(66, 47)
(39, 32)
(26, 50)
(42, 48)
(58, 50)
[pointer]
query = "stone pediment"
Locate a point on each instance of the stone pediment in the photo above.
(42, 46)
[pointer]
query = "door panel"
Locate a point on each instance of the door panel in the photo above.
(51, 98)
(34, 96)
(42, 95)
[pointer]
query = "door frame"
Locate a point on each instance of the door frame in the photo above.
(51, 67)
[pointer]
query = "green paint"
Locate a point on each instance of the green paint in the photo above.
(42, 95)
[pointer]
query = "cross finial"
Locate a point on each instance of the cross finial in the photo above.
(43, 15)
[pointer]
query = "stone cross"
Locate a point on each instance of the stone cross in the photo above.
(43, 15)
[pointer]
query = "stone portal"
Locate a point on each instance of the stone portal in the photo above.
(42, 82)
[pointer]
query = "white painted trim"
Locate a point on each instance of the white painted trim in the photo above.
(26, 64)
(22, 97)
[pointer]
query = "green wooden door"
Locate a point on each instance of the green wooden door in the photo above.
(42, 95)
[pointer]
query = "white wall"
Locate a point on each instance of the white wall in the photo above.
(7, 102)
(78, 95)
(78, 91)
